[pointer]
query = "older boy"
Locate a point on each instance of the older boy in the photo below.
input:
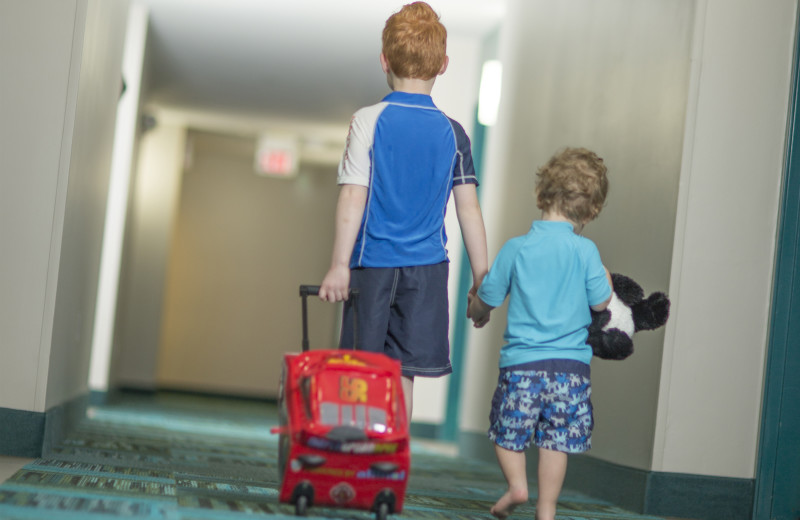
(552, 276)
(402, 160)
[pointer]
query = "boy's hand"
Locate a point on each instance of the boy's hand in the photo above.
(335, 286)
(477, 310)
(473, 293)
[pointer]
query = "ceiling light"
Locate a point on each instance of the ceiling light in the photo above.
(489, 93)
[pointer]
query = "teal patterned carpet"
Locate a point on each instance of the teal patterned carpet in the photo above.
(180, 457)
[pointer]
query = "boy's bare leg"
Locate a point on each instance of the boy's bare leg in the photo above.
(552, 469)
(512, 463)
(408, 394)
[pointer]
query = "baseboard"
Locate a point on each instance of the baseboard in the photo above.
(476, 445)
(21, 433)
(99, 397)
(700, 497)
(424, 430)
(623, 486)
(31, 434)
(61, 419)
(164, 390)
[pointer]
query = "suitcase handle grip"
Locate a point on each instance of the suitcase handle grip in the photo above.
(313, 290)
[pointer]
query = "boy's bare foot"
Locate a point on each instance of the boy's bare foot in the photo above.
(508, 502)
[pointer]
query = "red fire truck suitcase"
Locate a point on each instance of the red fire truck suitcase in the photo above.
(343, 431)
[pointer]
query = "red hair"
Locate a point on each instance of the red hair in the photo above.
(415, 42)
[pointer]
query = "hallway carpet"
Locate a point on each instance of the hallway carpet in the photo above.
(179, 457)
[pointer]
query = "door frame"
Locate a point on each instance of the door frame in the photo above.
(776, 473)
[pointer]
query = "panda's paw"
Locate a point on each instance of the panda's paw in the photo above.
(599, 320)
(611, 344)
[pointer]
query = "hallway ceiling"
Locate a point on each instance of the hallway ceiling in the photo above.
(309, 60)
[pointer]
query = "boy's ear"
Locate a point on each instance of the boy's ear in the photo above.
(444, 65)
(385, 64)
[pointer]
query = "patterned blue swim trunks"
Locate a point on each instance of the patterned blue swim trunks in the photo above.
(547, 403)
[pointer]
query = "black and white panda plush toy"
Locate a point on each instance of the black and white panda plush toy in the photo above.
(611, 331)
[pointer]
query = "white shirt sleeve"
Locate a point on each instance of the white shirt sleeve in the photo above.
(356, 163)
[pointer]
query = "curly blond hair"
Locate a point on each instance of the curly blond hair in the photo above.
(415, 42)
(573, 183)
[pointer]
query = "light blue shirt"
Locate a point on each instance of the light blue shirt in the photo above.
(551, 276)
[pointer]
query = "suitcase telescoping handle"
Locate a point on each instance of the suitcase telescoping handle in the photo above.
(313, 290)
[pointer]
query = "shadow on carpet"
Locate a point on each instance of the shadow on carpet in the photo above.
(181, 457)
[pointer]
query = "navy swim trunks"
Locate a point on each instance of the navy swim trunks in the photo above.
(403, 312)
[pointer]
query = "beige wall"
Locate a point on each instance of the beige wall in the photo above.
(60, 83)
(243, 244)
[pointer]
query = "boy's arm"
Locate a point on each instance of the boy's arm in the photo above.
(470, 219)
(602, 306)
(349, 212)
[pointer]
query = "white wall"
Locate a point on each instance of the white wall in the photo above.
(33, 104)
(712, 376)
(151, 216)
(58, 90)
(89, 170)
(126, 139)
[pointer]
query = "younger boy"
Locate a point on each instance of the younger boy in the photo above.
(552, 277)
(402, 160)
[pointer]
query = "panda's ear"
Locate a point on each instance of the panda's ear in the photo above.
(627, 290)
(651, 313)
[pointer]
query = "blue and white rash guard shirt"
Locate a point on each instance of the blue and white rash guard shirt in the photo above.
(409, 155)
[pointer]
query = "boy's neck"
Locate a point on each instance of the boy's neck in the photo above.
(413, 85)
(554, 216)
(410, 85)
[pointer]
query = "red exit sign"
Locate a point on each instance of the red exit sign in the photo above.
(276, 157)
